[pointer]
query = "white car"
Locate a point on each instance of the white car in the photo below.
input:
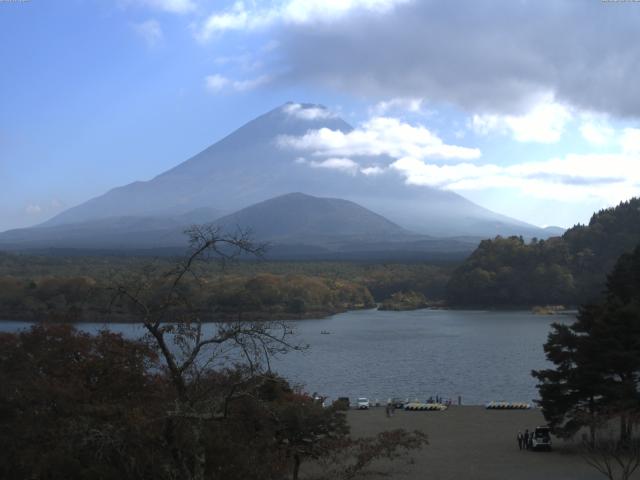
(541, 438)
(363, 403)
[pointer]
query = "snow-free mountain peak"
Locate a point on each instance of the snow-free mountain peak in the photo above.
(297, 216)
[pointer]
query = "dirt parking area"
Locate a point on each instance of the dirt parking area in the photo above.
(474, 443)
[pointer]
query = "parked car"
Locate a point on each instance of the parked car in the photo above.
(541, 439)
(363, 403)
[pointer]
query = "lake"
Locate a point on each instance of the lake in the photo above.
(479, 355)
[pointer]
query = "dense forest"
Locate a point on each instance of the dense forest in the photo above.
(566, 270)
(266, 295)
(80, 288)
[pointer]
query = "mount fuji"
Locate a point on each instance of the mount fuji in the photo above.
(251, 167)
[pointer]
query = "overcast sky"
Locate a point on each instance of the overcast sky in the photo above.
(529, 108)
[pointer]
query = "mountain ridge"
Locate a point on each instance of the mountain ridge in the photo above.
(294, 226)
(248, 166)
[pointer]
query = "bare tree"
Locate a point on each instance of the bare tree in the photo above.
(168, 306)
(613, 457)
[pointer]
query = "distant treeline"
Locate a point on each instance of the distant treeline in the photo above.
(74, 299)
(79, 288)
(567, 270)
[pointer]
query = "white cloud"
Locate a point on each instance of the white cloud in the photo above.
(217, 83)
(422, 158)
(373, 170)
(33, 209)
(596, 132)
(344, 164)
(378, 136)
(630, 142)
(543, 123)
(150, 31)
(243, 17)
(412, 105)
(171, 6)
(609, 177)
(44, 208)
(307, 112)
(250, 84)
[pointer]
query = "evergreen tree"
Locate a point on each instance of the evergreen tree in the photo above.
(597, 360)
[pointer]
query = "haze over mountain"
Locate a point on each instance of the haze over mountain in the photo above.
(294, 226)
(250, 166)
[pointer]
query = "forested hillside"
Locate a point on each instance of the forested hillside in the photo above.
(567, 270)
(78, 288)
(265, 296)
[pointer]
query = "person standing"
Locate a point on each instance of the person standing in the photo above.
(520, 440)
(526, 439)
(388, 409)
(530, 445)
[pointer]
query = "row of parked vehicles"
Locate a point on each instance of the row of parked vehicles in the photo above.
(363, 403)
(540, 436)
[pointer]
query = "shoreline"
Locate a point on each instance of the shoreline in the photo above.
(315, 315)
(248, 316)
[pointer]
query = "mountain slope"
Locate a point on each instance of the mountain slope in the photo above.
(296, 226)
(297, 216)
(249, 166)
(243, 168)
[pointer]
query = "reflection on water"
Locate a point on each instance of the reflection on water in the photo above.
(479, 355)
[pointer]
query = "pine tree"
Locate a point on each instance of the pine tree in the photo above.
(597, 360)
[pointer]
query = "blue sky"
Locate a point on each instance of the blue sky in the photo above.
(96, 94)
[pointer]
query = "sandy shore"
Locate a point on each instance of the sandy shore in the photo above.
(475, 443)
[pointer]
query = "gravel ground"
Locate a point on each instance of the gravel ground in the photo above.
(474, 443)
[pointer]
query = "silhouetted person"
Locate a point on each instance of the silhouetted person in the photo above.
(530, 446)
(520, 440)
(526, 439)
(388, 410)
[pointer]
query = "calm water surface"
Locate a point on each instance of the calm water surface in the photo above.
(479, 355)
